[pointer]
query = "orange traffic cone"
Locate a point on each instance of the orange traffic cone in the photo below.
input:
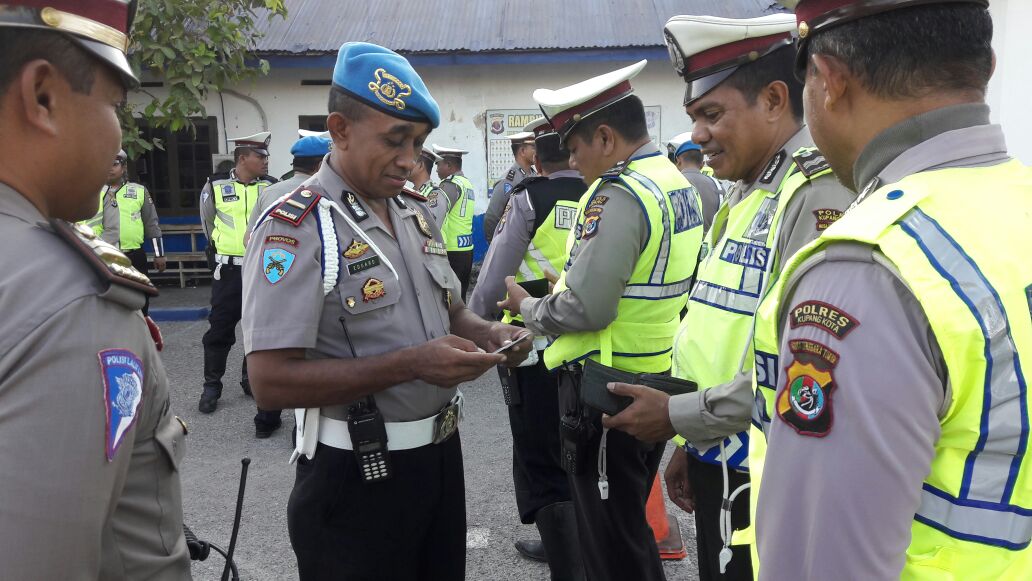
(664, 526)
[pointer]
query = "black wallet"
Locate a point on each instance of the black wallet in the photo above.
(595, 394)
(536, 288)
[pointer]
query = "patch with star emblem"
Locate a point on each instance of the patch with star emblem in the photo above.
(355, 250)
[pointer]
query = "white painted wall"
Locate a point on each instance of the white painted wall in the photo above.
(1010, 89)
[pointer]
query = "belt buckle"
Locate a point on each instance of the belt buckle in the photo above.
(446, 423)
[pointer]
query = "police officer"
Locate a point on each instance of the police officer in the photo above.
(458, 221)
(687, 156)
(894, 397)
(784, 197)
(523, 153)
(90, 445)
(126, 218)
(351, 307)
(227, 201)
(531, 244)
(633, 251)
(420, 178)
(308, 152)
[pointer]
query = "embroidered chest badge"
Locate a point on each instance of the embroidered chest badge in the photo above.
(122, 372)
(355, 250)
(276, 262)
(372, 290)
(389, 89)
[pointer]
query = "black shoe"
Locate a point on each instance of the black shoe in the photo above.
(208, 403)
(264, 431)
(531, 549)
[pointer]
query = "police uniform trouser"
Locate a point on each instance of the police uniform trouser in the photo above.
(226, 294)
(707, 482)
(462, 265)
(409, 527)
(616, 541)
(536, 469)
(138, 257)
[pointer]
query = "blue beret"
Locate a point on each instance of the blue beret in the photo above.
(311, 146)
(687, 146)
(384, 80)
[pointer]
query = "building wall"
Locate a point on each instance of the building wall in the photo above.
(1011, 85)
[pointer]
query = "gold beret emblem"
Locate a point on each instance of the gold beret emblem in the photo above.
(389, 89)
(804, 29)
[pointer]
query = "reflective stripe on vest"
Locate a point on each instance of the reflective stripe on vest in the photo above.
(458, 223)
(731, 280)
(233, 204)
(640, 338)
(976, 502)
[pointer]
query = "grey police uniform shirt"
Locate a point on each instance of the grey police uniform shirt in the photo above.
(599, 268)
(500, 197)
(67, 511)
(706, 417)
(863, 479)
(273, 193)
(507, 250)
(112, 221)
(294, 312)
(710, 192)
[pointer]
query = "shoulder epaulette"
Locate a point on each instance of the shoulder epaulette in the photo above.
(413, 194)
(810, 161)
(511, 175)
(106, 260)
(614, 172)
(297, 205)
(218, 176)
(526, 183)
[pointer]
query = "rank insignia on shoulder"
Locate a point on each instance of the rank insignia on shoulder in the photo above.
(511, 176)
(356, 249)
(805, 403)
(614, 172)
(122, 372)
(276, 263)
(353, 205)
(826, 217)
(424, 226)
(810, 161)
(372, 290)
(298, 205)
(823, 316)
(106, 260)
(413, 194)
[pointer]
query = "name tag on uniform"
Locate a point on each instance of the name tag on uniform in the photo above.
(229, 194)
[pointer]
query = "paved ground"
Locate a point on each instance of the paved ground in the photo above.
(217, 443)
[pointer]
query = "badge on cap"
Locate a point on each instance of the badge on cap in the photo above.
(277, 262)
(122, 372)
(372, 290)
(356, 209)
(424, 226)
(389, 89)
(355, 250)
